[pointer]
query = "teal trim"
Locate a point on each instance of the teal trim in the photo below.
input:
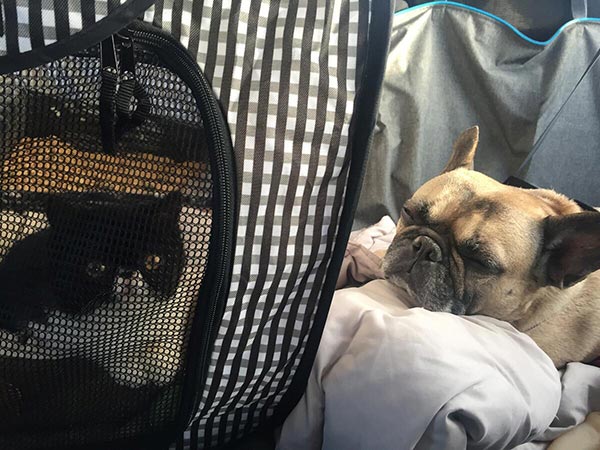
(500, 20)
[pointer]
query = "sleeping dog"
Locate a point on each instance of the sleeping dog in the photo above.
(467, 244)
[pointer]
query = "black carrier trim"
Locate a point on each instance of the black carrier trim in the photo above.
(215, 287)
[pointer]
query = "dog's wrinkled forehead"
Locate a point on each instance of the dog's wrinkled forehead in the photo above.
(460, 193)
(453, 194)
(473, 207)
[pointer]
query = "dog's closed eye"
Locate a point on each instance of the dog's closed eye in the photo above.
(415, 213)
(407, 216)
(475, 255)
(476, 263)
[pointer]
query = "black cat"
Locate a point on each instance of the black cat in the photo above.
(92, 238)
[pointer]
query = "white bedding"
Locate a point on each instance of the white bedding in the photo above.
(580, 396)
(389, 377)
(385, 377)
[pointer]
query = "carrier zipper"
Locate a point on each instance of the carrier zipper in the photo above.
(170, 49)
(108, 91)
(119, 87)
(128, 116)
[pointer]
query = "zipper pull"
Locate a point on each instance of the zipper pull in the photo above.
(126, 80)
(108, 89)
(127, 55)
(133, 103)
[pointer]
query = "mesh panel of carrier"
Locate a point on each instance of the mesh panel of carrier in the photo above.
(102, 255)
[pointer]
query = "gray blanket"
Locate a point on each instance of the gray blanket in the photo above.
(580, 395)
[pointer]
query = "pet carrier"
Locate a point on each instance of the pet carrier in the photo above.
(177, 185)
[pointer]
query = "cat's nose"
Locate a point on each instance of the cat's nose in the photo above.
(126, 273)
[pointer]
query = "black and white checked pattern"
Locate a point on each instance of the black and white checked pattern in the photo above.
(285, 74)
(32, 24)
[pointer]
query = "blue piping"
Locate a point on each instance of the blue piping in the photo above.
(500, 20)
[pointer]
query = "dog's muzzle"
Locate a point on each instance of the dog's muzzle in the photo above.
(418, 262)
(410, 249)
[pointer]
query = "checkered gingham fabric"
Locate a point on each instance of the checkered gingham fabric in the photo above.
(42, 22)
(284, 72)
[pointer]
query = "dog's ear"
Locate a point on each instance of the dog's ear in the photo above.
(571, 248)
(463, 150)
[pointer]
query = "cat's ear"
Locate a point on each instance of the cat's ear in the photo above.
(165, 207)
(171, 202)
(59, 211)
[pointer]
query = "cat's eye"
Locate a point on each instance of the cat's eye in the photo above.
(153, 262)
(95, 269)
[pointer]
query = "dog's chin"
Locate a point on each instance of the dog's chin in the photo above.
(428, 284)
(408, 296)
(428, 299)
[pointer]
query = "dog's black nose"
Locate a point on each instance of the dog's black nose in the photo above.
(407, 252)
(425, 247)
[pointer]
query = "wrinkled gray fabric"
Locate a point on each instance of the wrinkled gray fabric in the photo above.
(450, 68)
(389, 377)
(580, 395)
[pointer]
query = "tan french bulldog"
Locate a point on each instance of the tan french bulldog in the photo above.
(467, 244)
